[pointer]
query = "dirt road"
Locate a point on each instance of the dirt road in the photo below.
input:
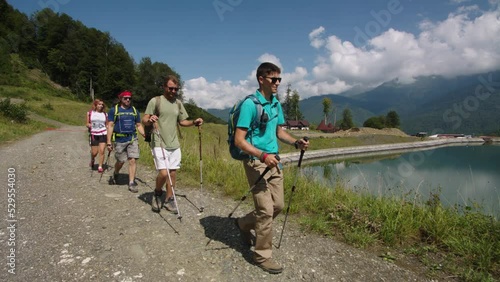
(63, 224)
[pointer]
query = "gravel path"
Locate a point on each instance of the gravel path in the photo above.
(72, 226)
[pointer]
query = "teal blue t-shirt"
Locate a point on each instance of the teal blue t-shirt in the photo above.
(266, 139)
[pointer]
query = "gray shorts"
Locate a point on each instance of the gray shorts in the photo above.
(127, 150)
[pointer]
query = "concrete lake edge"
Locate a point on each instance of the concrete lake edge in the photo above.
(382, 149)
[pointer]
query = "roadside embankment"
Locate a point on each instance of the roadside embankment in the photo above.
(371, 150)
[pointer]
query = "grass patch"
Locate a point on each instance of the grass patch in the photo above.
(10, 130)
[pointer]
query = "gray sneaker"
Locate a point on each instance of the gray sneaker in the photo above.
(132, 187)
(157, 202)
(170, 205)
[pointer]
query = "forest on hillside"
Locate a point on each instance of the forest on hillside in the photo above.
(75, 56)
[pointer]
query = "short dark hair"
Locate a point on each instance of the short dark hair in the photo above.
(266, 69)
(172, 78)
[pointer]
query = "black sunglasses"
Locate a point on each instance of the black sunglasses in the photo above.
(274, 79)
(173, 88)
(127, 98)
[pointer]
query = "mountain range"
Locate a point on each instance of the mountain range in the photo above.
(434, 104)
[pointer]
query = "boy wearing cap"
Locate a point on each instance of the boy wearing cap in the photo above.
(123, 125)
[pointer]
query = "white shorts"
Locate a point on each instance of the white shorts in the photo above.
(172, 158)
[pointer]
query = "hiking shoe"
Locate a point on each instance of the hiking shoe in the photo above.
(113, 179)
(156, 202)
(170, 205)
(132, 187)
(100, 170)
(270, 266)
(246, 236)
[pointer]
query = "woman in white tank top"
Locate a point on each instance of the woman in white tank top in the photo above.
(97, 121)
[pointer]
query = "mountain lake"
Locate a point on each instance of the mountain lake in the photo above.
(462, 176)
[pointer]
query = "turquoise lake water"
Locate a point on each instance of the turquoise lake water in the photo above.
(461, 175)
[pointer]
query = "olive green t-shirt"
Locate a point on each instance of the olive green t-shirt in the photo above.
(171, 112)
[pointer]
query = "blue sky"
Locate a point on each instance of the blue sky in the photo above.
(323, 46)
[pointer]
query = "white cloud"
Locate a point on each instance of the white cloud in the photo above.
(217, 95)
(459, 45)
(223, 93)
(270, 58)
(316, 41)
(464, 43)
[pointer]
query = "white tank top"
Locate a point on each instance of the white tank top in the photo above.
(98, 121)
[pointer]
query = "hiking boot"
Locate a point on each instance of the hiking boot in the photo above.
(270, 266)
(157, 202)
(246, 236)
(132, 187)
(100, 170)
(113, 179)
(170, 205)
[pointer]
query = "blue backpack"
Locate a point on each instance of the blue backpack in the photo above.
(234, 114)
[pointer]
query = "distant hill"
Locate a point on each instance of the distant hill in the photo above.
(195, 112)
(222, 114)
(460, 111)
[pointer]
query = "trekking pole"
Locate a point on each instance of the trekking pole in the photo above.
(201, 171)
(105, 165)
(291, 194)
(243, 199)
(179, 216)
(157, 131)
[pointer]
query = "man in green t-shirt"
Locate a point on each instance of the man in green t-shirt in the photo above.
(262, 147)
(166, 148)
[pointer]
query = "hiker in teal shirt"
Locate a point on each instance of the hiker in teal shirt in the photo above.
(261, 144)
(261, 138)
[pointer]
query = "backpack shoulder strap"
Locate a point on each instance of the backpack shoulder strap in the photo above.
(116, 113)
(157, 106)
(178, 127)
(259, 108)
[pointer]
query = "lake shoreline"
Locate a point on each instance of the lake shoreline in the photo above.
(382, 149)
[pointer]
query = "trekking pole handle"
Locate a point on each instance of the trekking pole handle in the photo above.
(302, 151)
(265, 171)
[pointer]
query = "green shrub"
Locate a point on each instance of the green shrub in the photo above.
(17, 112)
(48, 106)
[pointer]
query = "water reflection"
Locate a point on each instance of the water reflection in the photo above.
(463, 175)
